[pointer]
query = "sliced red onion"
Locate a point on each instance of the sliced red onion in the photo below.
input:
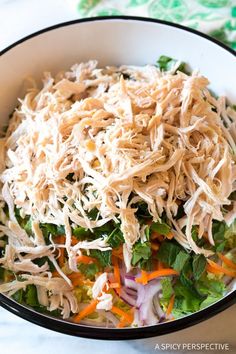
(127, 298)
(145, 298)
(129, 276)
(131, 292)
(131, 283)
(157, 307)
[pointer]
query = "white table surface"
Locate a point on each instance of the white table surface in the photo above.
(19, 18)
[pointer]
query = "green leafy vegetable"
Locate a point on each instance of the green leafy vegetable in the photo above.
(230, 235)
(81, 234)
(30, 295)
(19, 296)
(185, 300)
(104, 257)
(93, 214)
(51, 229)
(199, 265)
(141, 251)
(89, 270)
(161, 227)
(180, 260)
(168, 252)
(116, 238)
(166, 63)
(210, 300)
(167, 288)
(207, 286)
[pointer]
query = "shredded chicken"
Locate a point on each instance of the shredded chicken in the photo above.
(92, 139)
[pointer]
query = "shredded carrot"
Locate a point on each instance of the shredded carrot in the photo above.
(114, 285)
(124, 315)
(74, 241)
(155, 246)
(76, 279)
(116, 273)
(118, 252)
(61, 258)
(86, 259)
(156, 236)
(122, 323)
(222, 269)
(88, 310)
(211, 269)
(227, 261)
(74, 275)
(170, 305)
(170, 235)
(143, 279)
(61, 239)
(157, 273)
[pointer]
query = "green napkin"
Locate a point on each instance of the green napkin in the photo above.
(214, 17)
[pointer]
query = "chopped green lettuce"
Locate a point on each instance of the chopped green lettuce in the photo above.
(103, 257)
(89, 270)
(166, 63)
(141, 252)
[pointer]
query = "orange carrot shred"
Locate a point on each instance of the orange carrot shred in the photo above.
(155, 246)
(170, 305)
(157, 273)
(170, 235)
(122, 323)
(124, 315)
(114, 285)
(222, 269)
(86, 259)
(116, 273)
(88, 310)
(211, 269)
(227, 261)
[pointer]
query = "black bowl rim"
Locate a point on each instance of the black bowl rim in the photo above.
(112, 333)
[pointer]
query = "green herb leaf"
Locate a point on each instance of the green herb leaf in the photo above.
(207, 286)
(116, 238)
(141, 251)
(92, 214)
(31, 297)
(167, 289)
(80, 233)
(89, 270)
(185, 300)
(104, 257)
(19, 296)
(211, 299)
(161, 227)
(168, 252)
(166, 63)
(199, 266)
(104, 230)
(180, 260)
(51, 229)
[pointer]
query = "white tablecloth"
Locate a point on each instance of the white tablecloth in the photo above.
(17, 19)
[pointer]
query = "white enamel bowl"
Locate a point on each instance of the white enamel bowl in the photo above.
(119, 40)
